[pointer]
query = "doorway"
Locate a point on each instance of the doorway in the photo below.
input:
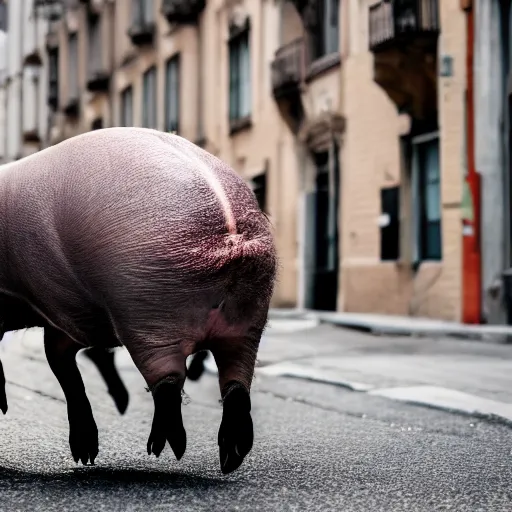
(326, 253)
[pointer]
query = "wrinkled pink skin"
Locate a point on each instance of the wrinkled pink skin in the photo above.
(136, 237)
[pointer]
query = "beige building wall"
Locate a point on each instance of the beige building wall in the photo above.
(372, 160)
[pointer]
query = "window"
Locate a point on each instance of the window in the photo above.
(390, 227)
(149, 98)
(95, 64)
(53, 77)
(239, 76)
(326, 37)
(172, 94)
(142, 12)
(259, 187)
(73, 66)
(3, 16)
(127, 107)
(428, 193)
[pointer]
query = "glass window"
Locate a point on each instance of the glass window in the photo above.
(94, 45)
(73, 66)
(142, 11)
(172, 94)
(429, 204)
(127, 107)
(149, 98)
(239, 77)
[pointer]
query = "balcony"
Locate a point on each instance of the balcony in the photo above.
(288, 69)
(141, 32)
(72, 108)
(403, 37)
(288, 73)
(98, 81)
(182, 11)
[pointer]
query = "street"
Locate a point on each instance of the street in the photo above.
(318, 446)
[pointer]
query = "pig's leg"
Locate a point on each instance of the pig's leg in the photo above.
(104, 361)
(3, 396)
(235, 360)
(83, 434)
(162, 364)
(196, 368)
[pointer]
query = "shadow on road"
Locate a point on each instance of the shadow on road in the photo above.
(107, 477)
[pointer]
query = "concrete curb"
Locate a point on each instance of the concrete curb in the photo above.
(401, 326)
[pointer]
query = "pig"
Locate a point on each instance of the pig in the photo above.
(140, 238)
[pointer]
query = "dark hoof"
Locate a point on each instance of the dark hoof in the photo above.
(196, 368)
(3, 396)
(83, 440)
(167, 422)
(120, 395)
(236, 431)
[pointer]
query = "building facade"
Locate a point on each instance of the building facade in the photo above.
(25, 80)
(355, 148)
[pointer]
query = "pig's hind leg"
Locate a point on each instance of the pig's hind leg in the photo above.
(83, 433)
(103, 359)
(235, 360)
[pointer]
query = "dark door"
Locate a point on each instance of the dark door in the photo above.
(325, 287)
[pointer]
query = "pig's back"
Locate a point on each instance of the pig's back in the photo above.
(121, 210)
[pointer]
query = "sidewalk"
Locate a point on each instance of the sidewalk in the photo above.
(401, 325)
(448, 373)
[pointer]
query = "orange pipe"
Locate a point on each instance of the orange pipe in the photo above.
(471, 247)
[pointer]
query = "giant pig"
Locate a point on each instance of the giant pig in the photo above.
(135, 237)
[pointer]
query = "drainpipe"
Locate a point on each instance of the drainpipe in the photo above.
(471, 247)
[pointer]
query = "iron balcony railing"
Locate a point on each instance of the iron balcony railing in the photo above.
(391, 19)
(288, 67)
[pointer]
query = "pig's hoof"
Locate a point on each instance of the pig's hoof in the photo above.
(120, 395)
(236, 431)
(83, 440)
(167, 421)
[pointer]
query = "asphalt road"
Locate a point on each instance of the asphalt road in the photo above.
(317, 448)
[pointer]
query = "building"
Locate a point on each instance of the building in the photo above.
(25, 80)
(354, 147)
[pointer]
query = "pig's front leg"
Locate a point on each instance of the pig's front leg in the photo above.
(235, 360)
(104, 360)
(83, 434)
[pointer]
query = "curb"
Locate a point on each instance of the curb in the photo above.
(501, 334)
